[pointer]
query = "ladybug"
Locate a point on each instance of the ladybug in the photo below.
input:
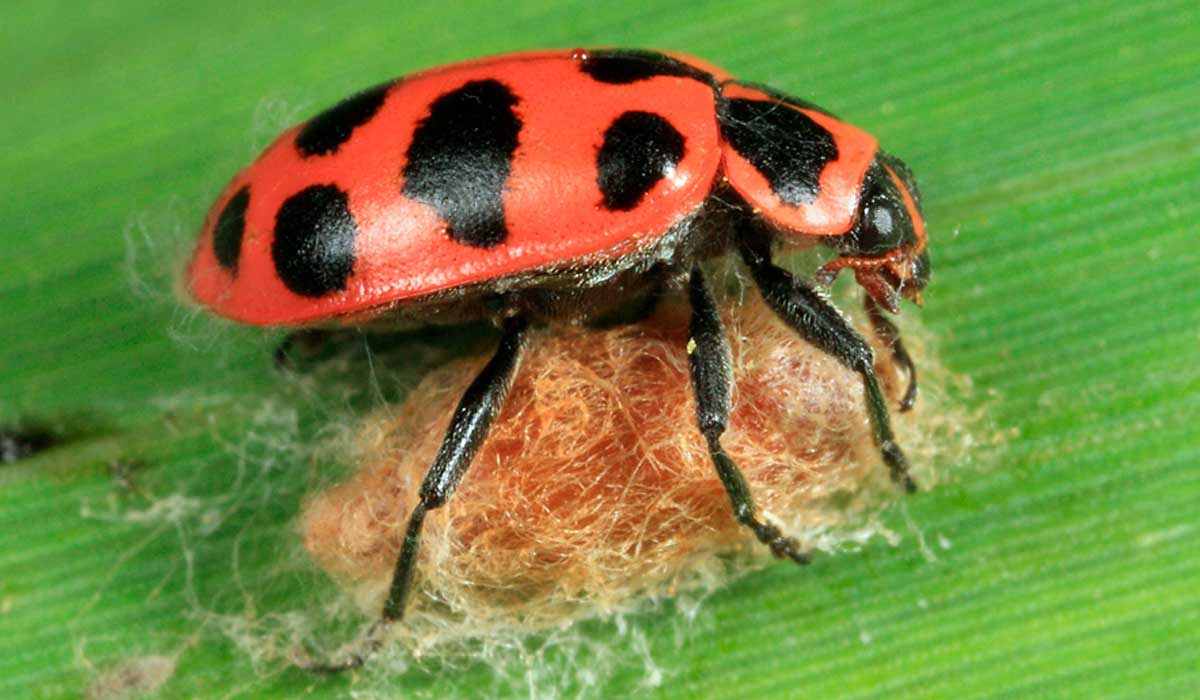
(562, 186)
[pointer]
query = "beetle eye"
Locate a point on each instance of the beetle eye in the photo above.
(882, 226)
(882, 220)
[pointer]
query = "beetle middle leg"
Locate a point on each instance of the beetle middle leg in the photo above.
(645, 302)
(479, 406)
(818, 322)
(712, 378)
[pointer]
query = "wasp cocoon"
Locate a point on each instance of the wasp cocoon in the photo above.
(595, 487)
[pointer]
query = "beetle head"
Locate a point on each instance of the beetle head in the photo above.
(886, 246)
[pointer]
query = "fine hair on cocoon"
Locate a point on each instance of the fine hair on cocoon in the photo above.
(594, 487)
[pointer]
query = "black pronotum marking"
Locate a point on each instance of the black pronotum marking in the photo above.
(324, 133)
(784, 144)
(904, 172)
(629, 66)
(313, 248)
(461, 157)
(640, 148)
(227, 232)
(782, 96)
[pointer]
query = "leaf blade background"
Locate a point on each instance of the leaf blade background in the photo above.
(1057, 149)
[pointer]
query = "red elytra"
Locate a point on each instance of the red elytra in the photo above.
(553, 209)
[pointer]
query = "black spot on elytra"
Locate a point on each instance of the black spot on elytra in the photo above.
(313, 248)
(327, 131)
(460, 159)
(640, 148)
(228, 231)
(18, 443)
(620, 67)
(784, 144)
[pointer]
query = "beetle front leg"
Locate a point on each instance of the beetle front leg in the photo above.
(887, 332)
(712, 379)
(818, 322)
(469, 426)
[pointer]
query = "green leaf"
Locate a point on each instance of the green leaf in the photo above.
(1057, 146)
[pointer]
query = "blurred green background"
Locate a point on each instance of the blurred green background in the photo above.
(1058, 147)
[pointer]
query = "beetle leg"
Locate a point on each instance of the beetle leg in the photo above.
(301, 347)
(469, 426)
(887, 332)
(820, 323)
(712, 378)
(306, 338)
(645, 303)
(653, 296)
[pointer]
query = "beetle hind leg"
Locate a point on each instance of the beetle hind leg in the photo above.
(479, 406)
(307, 341)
